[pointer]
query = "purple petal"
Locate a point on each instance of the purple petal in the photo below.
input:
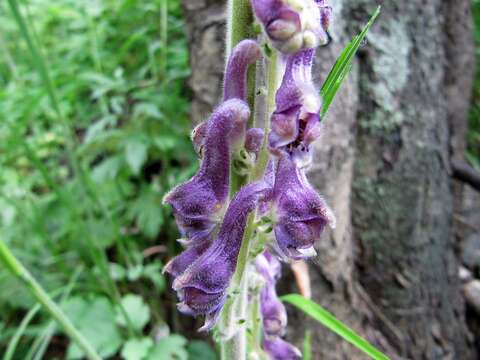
(246, 53)
(279, 349)
(202, 288)
(301, 213)
(198, 202)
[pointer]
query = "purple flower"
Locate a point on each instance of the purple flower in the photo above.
(202, 288)
(279, 349)
(296, 121)
(292, 25)
(198, 204)
(300, 214)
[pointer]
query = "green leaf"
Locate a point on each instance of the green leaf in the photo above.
(147, 212)
(95, 319)
(342, 66)
(328, 320)
(200, 350)
(136, 154)
(136, 349)
(169, 348)
(137, 311)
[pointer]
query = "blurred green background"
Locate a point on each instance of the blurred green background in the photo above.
(94, 130)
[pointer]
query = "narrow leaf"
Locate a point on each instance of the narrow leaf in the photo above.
(343, 65)
(329, 321)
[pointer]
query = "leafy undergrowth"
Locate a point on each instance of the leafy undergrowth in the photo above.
(85, 162)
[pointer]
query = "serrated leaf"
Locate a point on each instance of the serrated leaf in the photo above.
(136, 349)
(137, 311)
(169, 348)
(318, 313)
(136, 152)
(342, 66)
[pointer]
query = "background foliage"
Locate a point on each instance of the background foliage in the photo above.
(81, 185)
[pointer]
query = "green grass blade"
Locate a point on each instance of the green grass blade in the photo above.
(328, 320)
(12, 345)
(343, 65)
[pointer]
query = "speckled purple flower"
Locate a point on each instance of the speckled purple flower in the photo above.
(292, 25)
(299, 214)
(202, 288)
(296, 121)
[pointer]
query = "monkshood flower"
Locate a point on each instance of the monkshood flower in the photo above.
(279, 349)
(202, 288)
(296, 121)
(299, 214)
(292, 25)
(198, 203)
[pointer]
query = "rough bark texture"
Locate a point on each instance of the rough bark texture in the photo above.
(389, 269)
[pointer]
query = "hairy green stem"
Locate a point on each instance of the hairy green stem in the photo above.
(18, 270)
(235, 348)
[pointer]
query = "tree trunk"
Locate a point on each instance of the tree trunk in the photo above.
(389, 269)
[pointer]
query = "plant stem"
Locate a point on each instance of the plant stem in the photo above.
(17, 269)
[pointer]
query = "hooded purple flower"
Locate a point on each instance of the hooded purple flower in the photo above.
(273, 312)
(296, 120)
(198, 203)
(279, 349)
(299, 213)
(202, 288)
(292, 25)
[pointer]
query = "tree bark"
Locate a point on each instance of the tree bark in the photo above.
(389, 269)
